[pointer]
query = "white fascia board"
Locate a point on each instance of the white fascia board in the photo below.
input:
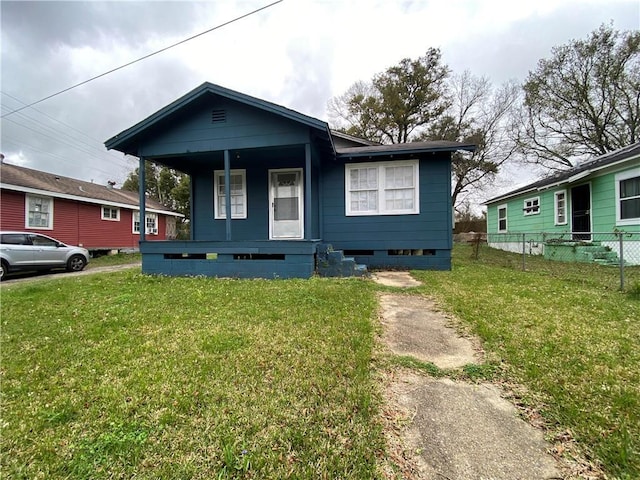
(66, 196)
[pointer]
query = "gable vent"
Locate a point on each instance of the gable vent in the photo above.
(218, 116)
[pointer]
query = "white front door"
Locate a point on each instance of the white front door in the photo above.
(286, 212)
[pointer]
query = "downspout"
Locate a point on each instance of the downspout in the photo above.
(143, 203)
(227, 192)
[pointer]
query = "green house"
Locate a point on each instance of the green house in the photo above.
(580, 205)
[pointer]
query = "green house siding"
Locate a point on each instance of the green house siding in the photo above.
(602, 212)
(517, 221)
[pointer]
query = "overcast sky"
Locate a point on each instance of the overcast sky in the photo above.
(297, 53)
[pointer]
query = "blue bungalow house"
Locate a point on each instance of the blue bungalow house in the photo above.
(277, 194)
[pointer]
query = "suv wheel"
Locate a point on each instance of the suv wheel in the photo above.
(4, 269)
(76, 263)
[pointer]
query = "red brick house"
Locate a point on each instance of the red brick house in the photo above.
(96, 217)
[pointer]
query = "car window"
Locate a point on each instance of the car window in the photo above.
(43, 241)
(14, 239)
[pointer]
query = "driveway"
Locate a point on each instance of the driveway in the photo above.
(37, 276)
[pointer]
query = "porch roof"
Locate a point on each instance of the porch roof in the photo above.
(411, 148)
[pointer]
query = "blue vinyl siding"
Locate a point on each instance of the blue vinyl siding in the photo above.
(244, 127)
(196, 132)
(257, 164)
(428, 229)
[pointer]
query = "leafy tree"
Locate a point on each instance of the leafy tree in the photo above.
(167, 186)
(420, 100)
(397, 103)
(583, 101)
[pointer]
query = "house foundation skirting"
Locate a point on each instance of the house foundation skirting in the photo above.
(242, 259)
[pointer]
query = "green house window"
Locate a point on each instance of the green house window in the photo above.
(628, 198)
(502, 218)
(560, 207)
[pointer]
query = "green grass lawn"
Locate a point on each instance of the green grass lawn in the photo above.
(107, 376)
(564, 332)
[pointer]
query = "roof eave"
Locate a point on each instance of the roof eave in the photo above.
(380, 151)
(551, 184)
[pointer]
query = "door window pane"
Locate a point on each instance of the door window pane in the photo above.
(286, 209)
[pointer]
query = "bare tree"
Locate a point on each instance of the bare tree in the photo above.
(480, 114)
(583, 101)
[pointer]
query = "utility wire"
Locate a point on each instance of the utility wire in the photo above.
(144, 58)
(62, 137)
(50, 118)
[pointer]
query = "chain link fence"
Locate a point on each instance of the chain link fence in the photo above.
(613, 254)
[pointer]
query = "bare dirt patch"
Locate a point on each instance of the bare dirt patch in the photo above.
(395, 279)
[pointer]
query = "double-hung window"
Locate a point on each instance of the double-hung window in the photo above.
(560, 207)
(502, 218)
(39, 212)
(628, 197)
(151, 223)
(532, 206)
(382, 188)
(238, 192)
(110, 213)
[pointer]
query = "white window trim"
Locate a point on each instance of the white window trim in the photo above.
(217, 174)
(117, 210)
(26, 212)
(634, 172)
(555, 207)
(381, 187)
(153, 231)
(527, 210)
(506, 217)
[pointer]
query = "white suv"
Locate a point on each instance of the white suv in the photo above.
(32, 251)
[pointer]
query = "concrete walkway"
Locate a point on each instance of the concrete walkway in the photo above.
(445, 429)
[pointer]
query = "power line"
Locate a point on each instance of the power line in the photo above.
(55, 120)
(144, 57)
(61, 136)
(60, 140)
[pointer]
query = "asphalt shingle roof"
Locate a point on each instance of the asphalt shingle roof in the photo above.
(585, 167)
(14, 175)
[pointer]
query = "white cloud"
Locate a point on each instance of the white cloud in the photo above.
(298, 53)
